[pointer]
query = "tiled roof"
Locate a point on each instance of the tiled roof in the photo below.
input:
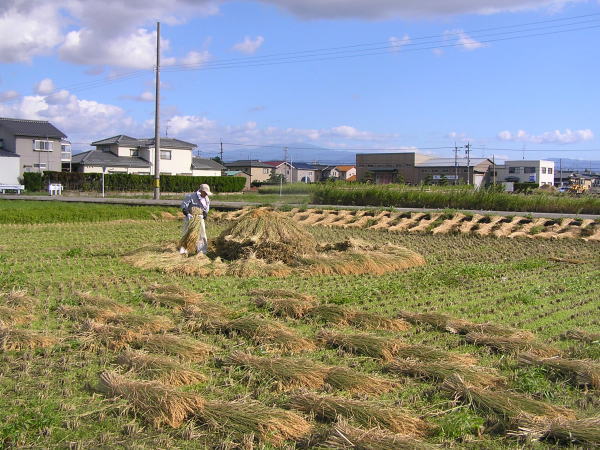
(129, 141)
(352, 178)
(247, 163)
(204, 163)
(344, 168)
(108, 159)
(274, 163)
(303, 166)
(33, 128)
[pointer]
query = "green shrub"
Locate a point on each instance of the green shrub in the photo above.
(33, 181)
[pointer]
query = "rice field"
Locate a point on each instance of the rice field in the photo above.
(95, 352)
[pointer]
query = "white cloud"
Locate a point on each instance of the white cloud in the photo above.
(44, 87)
(145, 96)
(249, 45)
(194, 58)
(397, 43)
(7, 96)
(549, 137)
(378, 9)
(463, 40)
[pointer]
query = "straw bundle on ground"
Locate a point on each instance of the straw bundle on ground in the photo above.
(365, 413)
(583, 336)
(95, 335)
(143, 323)
(289, 373)
(268, 235)
(345, 436)
(14, 316)
(583, 432)
(441, 370)
(160, 368)
(507, 406)
(268, 333)
(100, 301)
(583, 372)
(252, 266)
(17, 298)
(172, 296)
(189, 240)
(512, 344)
(208, 316)
(155, 402)
(360, 344)
(81, 313)
(19, 339)
(461, 326)
(272, 425)
(338, 314)
(356, 382)
(174, 345)
(288, 307)
(426, 353)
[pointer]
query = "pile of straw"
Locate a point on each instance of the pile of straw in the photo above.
(189, 240)
(207, 316)
(583, 336)
(159, 368)
(142, 323)
(95, 335)
(431, 354)
(81, 313)
(155, 402)
(361, 344)
(355, 382)
(332, 313)
(174, 345)
(442, 370)
(271, 425)
(172, 296)
(512, 344)
(345, 436)
(584, 432)
(14, 316)
(252, 266)
(19, 339)
(100, 301)
(365, 413)
(582, 372)
(514, 409)
(268, 235)
(287, 306)
(17, 298)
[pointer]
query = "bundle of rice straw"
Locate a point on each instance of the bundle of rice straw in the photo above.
(19, 339)
(189, 240)
(512, 344)
(271, 425)
(155, 402)
(142, 323)
(583, 336)
(172, 296)
(95, 335)
(426, 353)
(345, 436)
(356, 382)
(159, 368)
(171, 344)
(252, 266)
(100, 301)
(81, 313)
(268, 235)
(290, 373)
(288, 307)
(361, 344)
(515, 409)
(269, 333)
(365, 413)
(207, 317)
(14, 316)
(579, 432)
(341, 315)
(441, 370)
(581, 371)
(17, 298)
(445, 322)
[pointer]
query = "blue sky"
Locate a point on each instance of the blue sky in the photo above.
(87, 67)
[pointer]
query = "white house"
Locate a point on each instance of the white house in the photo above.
(10, 164)
(343, 172)
(203, 167)
(124, 154)
(527, 171)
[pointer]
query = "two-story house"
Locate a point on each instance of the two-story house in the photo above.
(124, 154)
(258, 170)
(37, 142)
(537, 171)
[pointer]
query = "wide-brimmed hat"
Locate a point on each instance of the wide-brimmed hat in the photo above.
(205, 188)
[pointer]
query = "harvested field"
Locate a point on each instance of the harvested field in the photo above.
(361, 344)
(22, 339)
(172, 296)
(183, 347)
(159, 368)
(342, 315)
(512, 344)
(582, 372)
(345, 436)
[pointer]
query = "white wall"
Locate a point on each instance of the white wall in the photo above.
(9, 170)
(109, 170)
(543, 172)
(179, 164)
(206, 173)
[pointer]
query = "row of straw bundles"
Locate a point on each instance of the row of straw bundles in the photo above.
(15, 307)
(189, 240)
(582, 336)
(388, 349)
(160, 368)
(451, 324)
(512, 344)
(302, 373)
(582, 372)
(172, 296)
(160, 404)
(19, 339)
(345, 436)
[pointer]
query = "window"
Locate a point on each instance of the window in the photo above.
(543, 170)
(265, 170)
(529, 170)
(39, 165)
(136, 152)
(42, 146)
(515, 170)
(165, 154)
(550, 170)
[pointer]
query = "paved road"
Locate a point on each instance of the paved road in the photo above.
(237, 205)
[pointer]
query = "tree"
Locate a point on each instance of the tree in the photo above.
(276, 178)
(217, 159)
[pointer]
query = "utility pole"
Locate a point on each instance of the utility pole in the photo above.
(285, 163)
(560, 184)
(221, 153)
(494, 166)
(455, 164)
(157, 119)
(468, 153)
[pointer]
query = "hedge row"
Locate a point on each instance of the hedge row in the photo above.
(77, 181)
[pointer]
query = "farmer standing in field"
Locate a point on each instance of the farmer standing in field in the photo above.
(199, 199)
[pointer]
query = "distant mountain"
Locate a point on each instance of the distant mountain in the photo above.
(578, 165)
(300, 152)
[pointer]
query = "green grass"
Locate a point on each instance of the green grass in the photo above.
(45, 396)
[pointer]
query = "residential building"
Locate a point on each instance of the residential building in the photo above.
(475, 171)
(342, 172)
(37, 142)
(258, 170)
(385, 168)
(239, 173)
(10, 165)
(66, 156)
(282, 168)
(527, 171)
(124, 154)
(204, 167)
